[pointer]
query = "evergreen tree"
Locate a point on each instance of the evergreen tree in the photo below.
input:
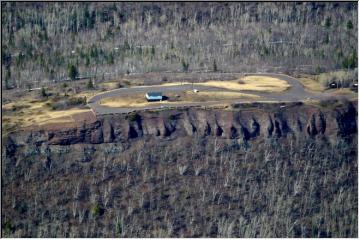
(110, 59)
(43, 92)
(328, 22)
(152, 51)
(72, 72)
(90, 84)
(87, 61)
(7, 78)
(185, 65)
(214, 66)
(351, 61)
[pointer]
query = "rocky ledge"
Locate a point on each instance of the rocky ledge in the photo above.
(243, 122)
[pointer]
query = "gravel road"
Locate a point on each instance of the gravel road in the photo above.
(295, 93)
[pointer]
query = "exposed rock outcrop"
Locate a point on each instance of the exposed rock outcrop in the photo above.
(245, 124)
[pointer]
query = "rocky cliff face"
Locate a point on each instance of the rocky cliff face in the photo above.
(243, 123)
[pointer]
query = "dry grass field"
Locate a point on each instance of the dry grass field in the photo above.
(250, 83)
(28, 112)
(123, 82)
(320, 82)
(139, 100)
(88, 94)
(344, 92)
(311, 84)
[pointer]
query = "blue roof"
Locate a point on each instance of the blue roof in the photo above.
(154, 94)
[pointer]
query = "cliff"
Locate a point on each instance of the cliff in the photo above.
(243, 122)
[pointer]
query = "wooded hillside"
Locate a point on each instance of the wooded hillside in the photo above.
(43, 42)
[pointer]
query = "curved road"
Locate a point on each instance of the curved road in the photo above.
(295, 93)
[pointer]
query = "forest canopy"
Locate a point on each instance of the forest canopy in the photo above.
(41, 40)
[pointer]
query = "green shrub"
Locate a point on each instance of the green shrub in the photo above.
(7, 228)
(16, 107)
(318, 69)
(77, 101)
(350, 62)
(90, 84)
(56, 98)
(61, 104)
(119, 229)
(95, 210)
(133, 117)
(28, 86)
(43, 92)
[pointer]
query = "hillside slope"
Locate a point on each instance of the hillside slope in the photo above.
(253, 171)
(43, 42)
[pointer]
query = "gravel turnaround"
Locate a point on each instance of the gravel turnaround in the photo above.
(296, 92)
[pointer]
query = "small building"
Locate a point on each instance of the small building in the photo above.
(154, 96)
(354, 87)
(333, 85)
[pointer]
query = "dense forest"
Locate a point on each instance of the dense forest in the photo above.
(46, 42)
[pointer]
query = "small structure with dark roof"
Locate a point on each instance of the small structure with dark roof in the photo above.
(154, 96)
(354, 87)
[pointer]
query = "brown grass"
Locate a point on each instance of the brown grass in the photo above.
(139, 100)
(109, 85)
(311, 84)
(27, 112)
(344, 92)
(251, 83)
